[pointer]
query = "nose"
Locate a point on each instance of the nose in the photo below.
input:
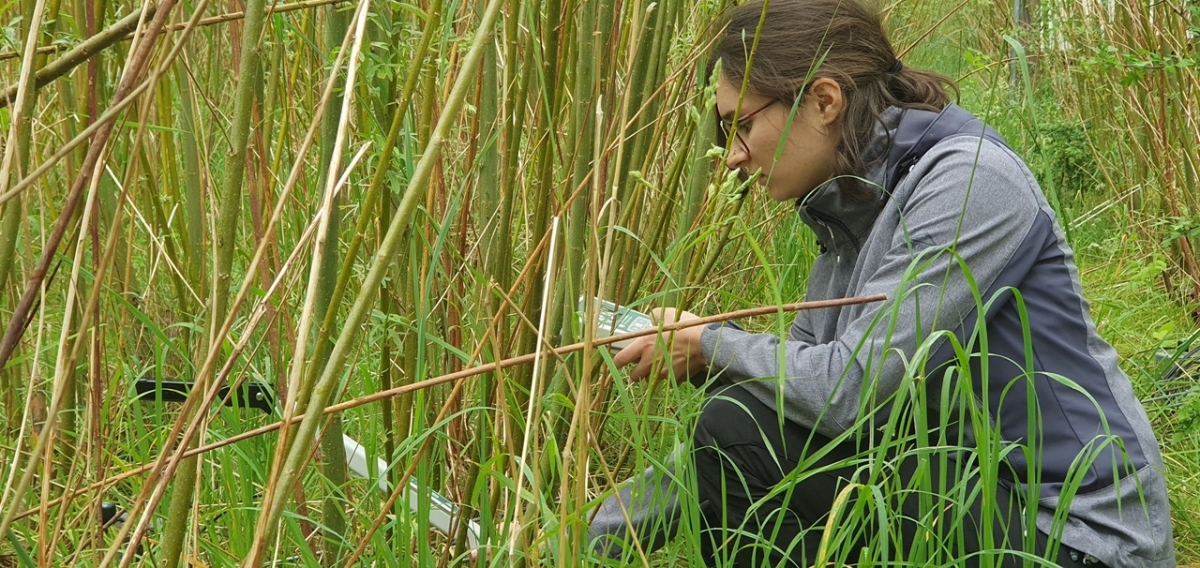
(738, 156)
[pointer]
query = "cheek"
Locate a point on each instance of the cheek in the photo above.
(794, 164)
(811, 162)
(789, 179)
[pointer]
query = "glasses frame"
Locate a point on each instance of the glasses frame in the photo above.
(733, 125)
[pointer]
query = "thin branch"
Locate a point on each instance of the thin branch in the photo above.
(82, 52)
(137, 63)
(123, 30)
(466, 374)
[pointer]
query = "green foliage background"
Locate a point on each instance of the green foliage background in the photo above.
(582, 129)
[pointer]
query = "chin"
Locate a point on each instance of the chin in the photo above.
(782, 194)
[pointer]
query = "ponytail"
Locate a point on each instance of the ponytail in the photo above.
(913, 88)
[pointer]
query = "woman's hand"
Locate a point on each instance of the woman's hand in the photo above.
(682, 357)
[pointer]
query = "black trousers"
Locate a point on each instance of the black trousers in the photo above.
(743, 454)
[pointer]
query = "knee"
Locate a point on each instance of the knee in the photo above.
(730, 416)
(734, 431)
(735, 428)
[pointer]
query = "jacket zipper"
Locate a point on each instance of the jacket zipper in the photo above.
(824, 218)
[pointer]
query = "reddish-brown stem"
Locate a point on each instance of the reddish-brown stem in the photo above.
(471, 372)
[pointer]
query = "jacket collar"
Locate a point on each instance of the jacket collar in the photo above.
(841, 223)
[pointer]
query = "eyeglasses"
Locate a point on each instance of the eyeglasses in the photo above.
(743, 126)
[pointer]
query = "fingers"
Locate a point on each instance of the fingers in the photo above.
(675, 358)
(662, 315)
(642, 370)
(642, 352)
(630, 353)
(669, 315)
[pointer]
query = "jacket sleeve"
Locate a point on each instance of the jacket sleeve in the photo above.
(802, 329)
(973, 203)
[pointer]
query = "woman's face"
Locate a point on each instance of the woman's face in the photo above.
(807, 155)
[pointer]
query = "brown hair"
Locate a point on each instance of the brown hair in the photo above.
(844, 40)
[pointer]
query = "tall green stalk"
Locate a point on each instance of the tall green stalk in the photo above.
(298, 452)
(20, 138)
(542, 199)
(332, 450)
(639, 99)
(225, 237)
(137, 64)
(15, 159)
(499, 266)
(20, 142)
(697, 175)
(584, 91)
(10, 219)
(485, 219)
(193, 213)
(489, 198)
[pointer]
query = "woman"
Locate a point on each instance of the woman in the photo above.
(909, 196)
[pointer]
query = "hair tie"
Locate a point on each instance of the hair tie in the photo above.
(897, 67)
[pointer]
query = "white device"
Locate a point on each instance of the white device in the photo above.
(442, 513)
(615, 320)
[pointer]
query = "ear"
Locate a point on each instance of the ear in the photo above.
(827, 99)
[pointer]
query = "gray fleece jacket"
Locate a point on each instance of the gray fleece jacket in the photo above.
(970, 197)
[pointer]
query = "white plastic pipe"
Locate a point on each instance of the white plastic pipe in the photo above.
(442, 513)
